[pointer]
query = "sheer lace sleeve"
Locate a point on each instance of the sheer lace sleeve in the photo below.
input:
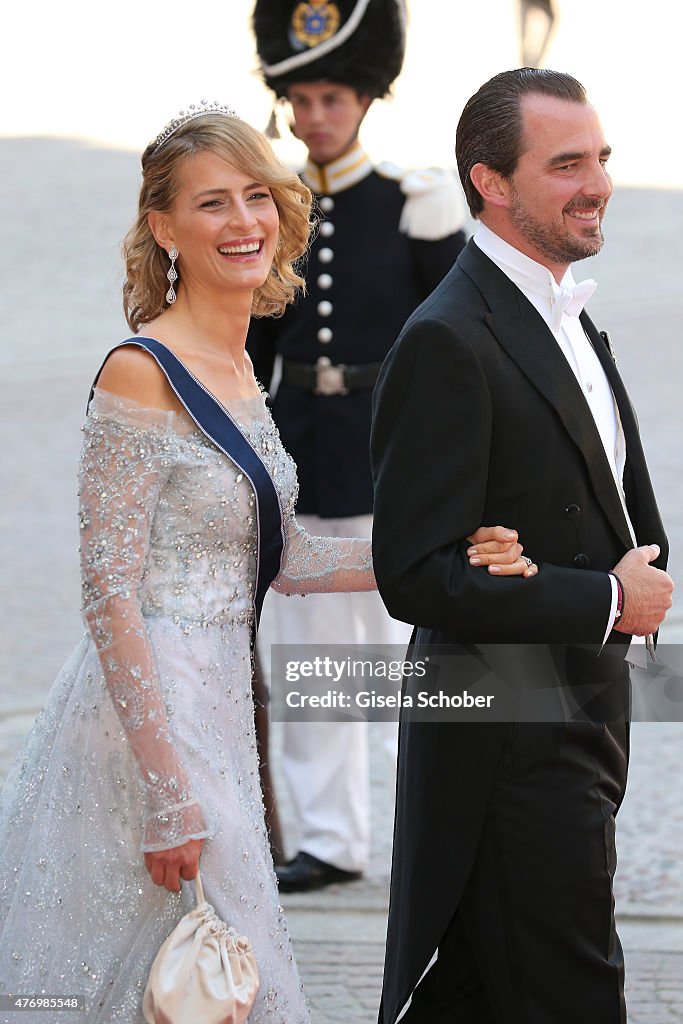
(125, 460)
(323, 564)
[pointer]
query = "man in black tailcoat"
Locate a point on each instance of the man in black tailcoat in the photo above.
(501, 402)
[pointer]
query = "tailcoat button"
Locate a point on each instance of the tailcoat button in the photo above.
(327, 204)
(326, 229)
(572, 511)
(325, 335)
(325, 281)
(324, 308)
(581, 561)
(325, 255)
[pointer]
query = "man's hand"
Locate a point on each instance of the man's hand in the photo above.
(167, 867)
(497, 547)
(647, 591)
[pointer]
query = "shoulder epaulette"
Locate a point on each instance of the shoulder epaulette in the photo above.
(434, 206)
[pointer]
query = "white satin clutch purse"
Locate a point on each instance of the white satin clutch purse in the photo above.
(205, 972)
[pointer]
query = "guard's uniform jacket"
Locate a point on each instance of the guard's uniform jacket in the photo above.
(364, 277)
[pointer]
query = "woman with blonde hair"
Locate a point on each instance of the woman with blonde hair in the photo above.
(144, 757)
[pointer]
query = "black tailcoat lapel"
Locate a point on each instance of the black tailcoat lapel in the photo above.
(521, 331)
(640, 497)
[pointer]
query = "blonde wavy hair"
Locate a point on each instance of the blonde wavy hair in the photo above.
(244, 148)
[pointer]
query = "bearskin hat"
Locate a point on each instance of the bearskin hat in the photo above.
(353, 42)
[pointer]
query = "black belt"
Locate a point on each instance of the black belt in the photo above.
(326, 378)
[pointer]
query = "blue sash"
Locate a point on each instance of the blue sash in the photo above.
(216, 423)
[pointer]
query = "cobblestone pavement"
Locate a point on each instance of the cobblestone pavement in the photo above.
(59, 311)
(345, 983)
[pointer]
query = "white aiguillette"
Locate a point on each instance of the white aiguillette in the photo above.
(205, 971)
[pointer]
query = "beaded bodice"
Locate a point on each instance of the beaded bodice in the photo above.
(200, 564)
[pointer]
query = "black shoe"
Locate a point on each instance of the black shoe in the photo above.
(306, 873)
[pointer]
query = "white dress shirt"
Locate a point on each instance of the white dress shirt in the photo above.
(539, 286)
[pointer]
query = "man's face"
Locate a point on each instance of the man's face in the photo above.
(327, 117)
(559, 192)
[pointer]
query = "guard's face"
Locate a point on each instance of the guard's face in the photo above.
(327, 117)
(224, 225)
(560, 189)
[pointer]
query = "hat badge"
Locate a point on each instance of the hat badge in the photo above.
(314, 22)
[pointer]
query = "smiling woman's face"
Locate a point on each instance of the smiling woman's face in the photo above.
(223, 224)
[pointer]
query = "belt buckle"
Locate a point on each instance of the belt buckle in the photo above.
(329, 379)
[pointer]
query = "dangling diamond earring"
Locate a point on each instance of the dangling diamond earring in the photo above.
(172, 275)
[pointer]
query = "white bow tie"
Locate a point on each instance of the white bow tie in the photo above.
(571, 300)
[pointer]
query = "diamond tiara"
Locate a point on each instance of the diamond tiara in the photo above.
(195, 110)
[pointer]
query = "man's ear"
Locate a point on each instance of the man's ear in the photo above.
(158, 225)
(493, 188)
(365, 101)
(291, 124)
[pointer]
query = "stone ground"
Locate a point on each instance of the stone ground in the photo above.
(64, 207)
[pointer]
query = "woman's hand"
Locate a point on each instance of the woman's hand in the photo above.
(498, 548)
(167, 867)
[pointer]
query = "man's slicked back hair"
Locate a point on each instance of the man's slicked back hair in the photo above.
(490, 127)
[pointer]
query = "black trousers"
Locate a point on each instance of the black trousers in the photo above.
(533, 939)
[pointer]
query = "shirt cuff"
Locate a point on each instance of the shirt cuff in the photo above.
(612, 610)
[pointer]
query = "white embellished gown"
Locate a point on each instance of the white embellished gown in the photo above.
(147, 736)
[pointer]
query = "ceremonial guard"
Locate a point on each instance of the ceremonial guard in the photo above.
(385, 239)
